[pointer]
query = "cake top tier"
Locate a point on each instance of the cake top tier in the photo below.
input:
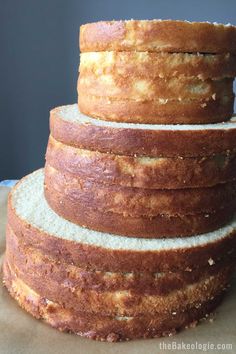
(158, 36)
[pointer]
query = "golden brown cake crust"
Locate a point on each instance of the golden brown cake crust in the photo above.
(159, 173)
(119, 260)
(157, 112)
(120, 87)
(104, 328)
(144, 142)
(33, 262)
(157, 36)
(123, 303)
(164, 65)
(130, 201)
(158, 226)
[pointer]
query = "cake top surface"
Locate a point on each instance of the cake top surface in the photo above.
(71, 113)
(153, 21)
(158, 36)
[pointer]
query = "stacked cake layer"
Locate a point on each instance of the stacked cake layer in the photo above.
(129, 232)
(109, 287)
(138, 195)
(135, 71)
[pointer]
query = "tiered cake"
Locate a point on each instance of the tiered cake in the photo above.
(129, 232)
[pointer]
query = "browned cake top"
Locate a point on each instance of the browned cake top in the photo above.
(158, 36)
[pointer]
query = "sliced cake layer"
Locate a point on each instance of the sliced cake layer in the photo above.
(122, 302)
(34, 262)
(158, 226)
(71, 127)
(130, 201)
(116, 86)
(150, 65)
(142, 172)
(157, 111)
(154, 36)
(34, 223)
(104, 328)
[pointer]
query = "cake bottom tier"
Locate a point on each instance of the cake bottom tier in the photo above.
(100, 327)
(68, 293)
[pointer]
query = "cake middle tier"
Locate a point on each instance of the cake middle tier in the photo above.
(136, 202)
(142, 172)
(67, 196)
(69, 126)
(147, 197)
